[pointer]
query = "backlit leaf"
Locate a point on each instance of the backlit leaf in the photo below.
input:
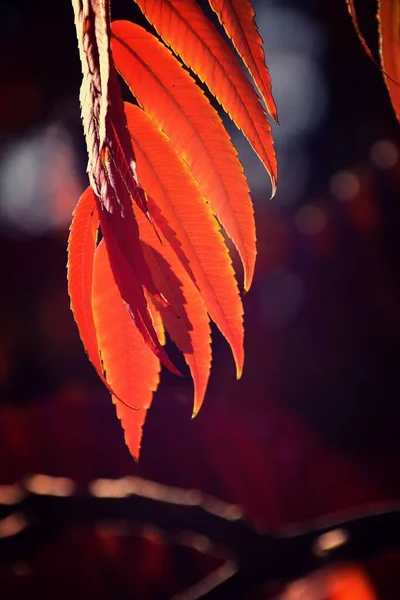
(237, 18)
(186, 318)
(157, 320)
(169, 94)
(162, 260)
(187, 323)
(117, 229)
(389, 24)
(81, 249)
(111, 165)
(186, 29)
(131, 367)
(389, 45)
(190, 227)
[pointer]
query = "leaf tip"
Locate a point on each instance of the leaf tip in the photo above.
(239, 360)
(197, 404)
(247, 283)
(274, 184)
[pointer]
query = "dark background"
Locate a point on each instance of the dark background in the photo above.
(313, 426)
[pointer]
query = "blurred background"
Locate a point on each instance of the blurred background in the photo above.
(313, 426)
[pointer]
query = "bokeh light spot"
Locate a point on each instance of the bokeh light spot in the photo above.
(310, 219)
(344, 185)
(384, 154)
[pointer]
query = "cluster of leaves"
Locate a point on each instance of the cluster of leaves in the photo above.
(388, 17)
(146, 250)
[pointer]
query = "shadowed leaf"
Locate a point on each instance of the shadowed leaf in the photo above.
(186, 318)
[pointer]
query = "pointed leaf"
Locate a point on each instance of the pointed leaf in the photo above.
(170, 95)
(118, 229)
(190, 227)
(353, 14)
(186, 318)
(81, 249)
(157, 320)
(185, 28)
(389, 45)
(237, 18)
(111, 166)
(131, 368)
(187, 323)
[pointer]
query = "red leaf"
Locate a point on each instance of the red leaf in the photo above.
(111, 164)
(190, 227)
(389, 24)
(186, 318)
(131, 368)
(185, 28)
(237, 18)
(142, 278)
(117, 230)
(389, 45)
(81, 249)
(157, 320)
(170, 95)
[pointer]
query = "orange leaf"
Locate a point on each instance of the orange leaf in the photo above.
(389, 46)
(237, 18)
(170, 95)
(389, 24)
(157, 320)
(186, 318)
(121, 233)
(185, 28)
(81, 249)
(190, 227)
(111, 165)
(131, 368)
